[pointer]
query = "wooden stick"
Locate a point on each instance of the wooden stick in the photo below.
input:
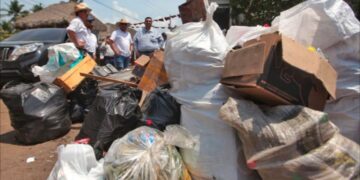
(109, 79)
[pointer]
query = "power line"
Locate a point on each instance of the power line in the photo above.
(162, 9)
(109, 7)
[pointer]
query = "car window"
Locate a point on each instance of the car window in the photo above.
(42, 35)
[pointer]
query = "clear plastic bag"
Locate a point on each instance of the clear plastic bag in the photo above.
(77, 161)
(61, 58)
(292, 142)
(148, 154)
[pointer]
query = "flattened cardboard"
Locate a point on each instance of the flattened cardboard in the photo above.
(142, 61)
(155, 73)
(287, 73)
(192, 11)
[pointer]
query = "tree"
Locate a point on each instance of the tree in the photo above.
(258, 12)
(15, 10)
(37, 7)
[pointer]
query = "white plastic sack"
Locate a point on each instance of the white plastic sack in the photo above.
(345, 110)
(320, 23)
(77, 161)
(194, 60)
(331, 26)
(194, 56)
(59, 56)
(220, 156)
(238, 35)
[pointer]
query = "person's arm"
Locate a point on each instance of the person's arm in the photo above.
(71, 31)
(136, 45)
(160, 40)
(73, 38)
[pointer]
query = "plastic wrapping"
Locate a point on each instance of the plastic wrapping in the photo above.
(113, 113)
(194, 61)
(160, 109)
(293, 141)
(148, 154)
(38, 112)
(312, 23)
(61, 57)
(81, 98)
(77, 161)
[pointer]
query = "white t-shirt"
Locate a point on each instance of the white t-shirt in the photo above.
(92, 45)
(81, 31)
(122, 41)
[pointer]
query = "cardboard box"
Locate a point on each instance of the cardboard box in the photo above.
(192, 11)
(276, 70)
(155, 73)
(72, 78)
(140, 65)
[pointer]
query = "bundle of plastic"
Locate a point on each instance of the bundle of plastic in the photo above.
(149, 154)
(77, 161)
(292, 142)
(312, 23)
(194, 60)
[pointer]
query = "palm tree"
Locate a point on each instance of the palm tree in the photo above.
(37, 7)
(15, 10)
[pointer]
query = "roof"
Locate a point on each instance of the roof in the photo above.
(55, 15)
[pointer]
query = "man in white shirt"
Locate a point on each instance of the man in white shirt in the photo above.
(93, 44)
(106, 52)
(77, 31)
(121, 43)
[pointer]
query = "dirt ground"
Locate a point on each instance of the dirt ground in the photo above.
(13, 155)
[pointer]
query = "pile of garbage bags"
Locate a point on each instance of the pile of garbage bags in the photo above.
(235, 122)
(113, 113)
(38, 112)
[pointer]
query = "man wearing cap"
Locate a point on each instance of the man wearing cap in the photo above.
(92, 44)
(147, 39)
(77, 31)
(121, 43)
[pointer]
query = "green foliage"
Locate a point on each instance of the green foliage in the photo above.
(37, 7)
(259, 12)
(15, 9)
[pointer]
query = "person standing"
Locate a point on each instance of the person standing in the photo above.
(77, 31)
(121, 43)
(147, 39)
(107, 52)
(93, 44)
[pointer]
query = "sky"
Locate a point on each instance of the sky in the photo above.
(111, 11)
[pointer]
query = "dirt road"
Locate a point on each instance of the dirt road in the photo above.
(13, 156)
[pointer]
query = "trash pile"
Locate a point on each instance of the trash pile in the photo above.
(278, 102)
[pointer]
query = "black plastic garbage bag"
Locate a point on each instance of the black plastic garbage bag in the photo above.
(114, 112)
(81, 98)
(160, 109)
(38, 112)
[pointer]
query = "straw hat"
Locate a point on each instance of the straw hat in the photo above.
(81, 6)
(123, 21)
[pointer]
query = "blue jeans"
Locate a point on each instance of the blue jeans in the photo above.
(121, 62)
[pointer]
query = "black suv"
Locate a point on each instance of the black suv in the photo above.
(22, 50)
